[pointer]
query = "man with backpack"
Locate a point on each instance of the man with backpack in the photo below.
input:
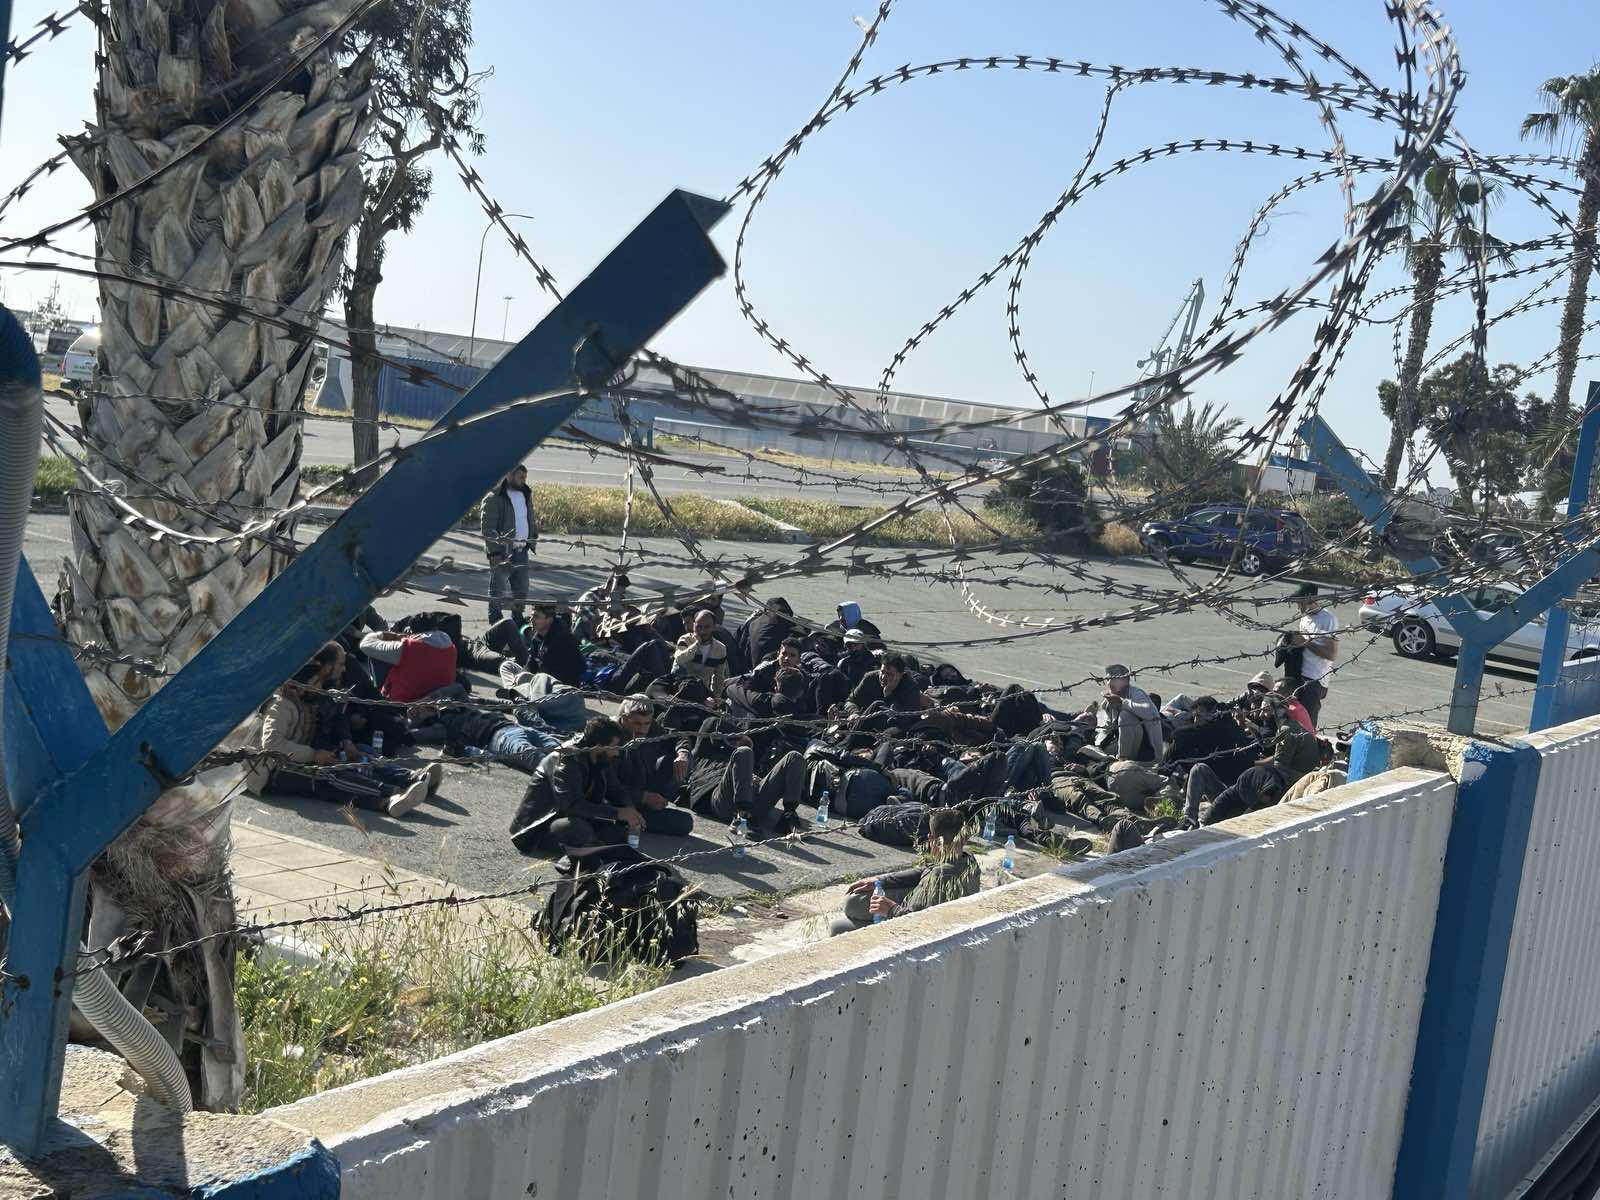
(575, 797)
(952, 873)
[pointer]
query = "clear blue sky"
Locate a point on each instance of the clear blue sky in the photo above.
(594, 111)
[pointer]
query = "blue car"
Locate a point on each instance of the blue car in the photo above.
(1270, 537)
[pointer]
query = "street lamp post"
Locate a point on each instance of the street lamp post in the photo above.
(506, 319)
(472, 339)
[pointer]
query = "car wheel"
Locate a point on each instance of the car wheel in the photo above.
(1160, 544)
(1414, 639)
(1251, 563)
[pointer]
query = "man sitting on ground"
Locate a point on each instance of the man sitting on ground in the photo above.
(718, 766)
(700, 655)
(952, 874)
(1208, 754)
(576, 799)
(647, 766)
(546, 645)
(1294, 753)
(421, 665)
(890, 687)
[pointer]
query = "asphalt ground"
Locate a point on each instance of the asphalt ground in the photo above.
(461, 834)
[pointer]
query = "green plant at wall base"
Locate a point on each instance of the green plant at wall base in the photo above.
(407, 990)
(54, 479)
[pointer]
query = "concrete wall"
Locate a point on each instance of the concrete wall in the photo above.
(1228, 1013)
(1544, 1069)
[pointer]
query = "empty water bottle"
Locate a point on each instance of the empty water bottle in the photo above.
(377, 741)
(741, 834)
(633, 839)
(1009, 861)
(877, 890)
(988, 824)
(822, 811)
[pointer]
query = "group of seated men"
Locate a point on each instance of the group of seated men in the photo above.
(745, 726)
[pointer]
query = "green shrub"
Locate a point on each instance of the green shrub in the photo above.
(1054, 497)
(55, 478)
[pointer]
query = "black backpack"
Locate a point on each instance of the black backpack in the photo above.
(616, 904)
(904, 825)
(1017, 712)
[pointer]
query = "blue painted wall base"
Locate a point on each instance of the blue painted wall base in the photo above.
(1466, 971)
(1369, 754)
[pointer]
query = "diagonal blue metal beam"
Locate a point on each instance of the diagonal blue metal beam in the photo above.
(628, 298)
(1479, 635)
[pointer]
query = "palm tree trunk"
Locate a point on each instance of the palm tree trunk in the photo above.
(200, 402)
(1407, 407)
(1583, 248)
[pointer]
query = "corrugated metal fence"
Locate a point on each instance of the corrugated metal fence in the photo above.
(1227, 1013)
(1544, 1070)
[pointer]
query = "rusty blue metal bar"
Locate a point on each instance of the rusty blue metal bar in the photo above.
(84, 791)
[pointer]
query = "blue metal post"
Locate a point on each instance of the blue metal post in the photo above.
(1369, 754)
(71, 817)
(1479, 635)
(1554, 656)
(1466, 971)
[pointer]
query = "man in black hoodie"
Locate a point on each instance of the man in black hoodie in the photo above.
(759, 637)
(718, 767)
(547, 645)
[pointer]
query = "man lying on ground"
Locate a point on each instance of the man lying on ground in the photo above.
(496, 732)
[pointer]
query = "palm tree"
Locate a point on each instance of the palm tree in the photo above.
(1444, 213)
(1189, 448)
(1572, 110)
(200, 402)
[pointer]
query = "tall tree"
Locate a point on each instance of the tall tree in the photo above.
(1481, 427)
(422, 91)
(1572, 112)
(1443, 213)
(1189, 447)
(193, 419)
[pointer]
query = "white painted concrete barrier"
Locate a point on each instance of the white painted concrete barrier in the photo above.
(1228, 1013)
(1544, 1070)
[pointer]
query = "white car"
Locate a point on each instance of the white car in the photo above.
(77, 364)
(1420, 630)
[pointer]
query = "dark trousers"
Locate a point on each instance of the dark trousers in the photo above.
(581, 831)
(364, 789)
(1258, 787)
(642, 668)
(1312, 694)
(737, 790)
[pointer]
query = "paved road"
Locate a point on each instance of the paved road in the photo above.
(462, 835)
(327, 442)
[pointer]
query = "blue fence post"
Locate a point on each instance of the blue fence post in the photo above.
(1479, 635)
(1466, 970)
(97, 786)
(1554, 655)
(1369, 753)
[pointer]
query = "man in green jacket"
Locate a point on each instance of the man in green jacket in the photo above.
(508, 536)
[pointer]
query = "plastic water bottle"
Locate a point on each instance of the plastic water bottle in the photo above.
(877, 890)
(377, 741)
(988, 824)
(633, 838)
(1009, 861)
(822, 811)
(741, 835)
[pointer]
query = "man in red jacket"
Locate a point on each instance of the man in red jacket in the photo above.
(422, 666)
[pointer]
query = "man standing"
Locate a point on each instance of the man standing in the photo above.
(1317, 633)
(508, 532)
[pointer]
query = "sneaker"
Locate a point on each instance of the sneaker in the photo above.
(435, 775)
(410, 798)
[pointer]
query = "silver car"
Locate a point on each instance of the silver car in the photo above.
(1420, 630)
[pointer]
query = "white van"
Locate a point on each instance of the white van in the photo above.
(77, 364)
